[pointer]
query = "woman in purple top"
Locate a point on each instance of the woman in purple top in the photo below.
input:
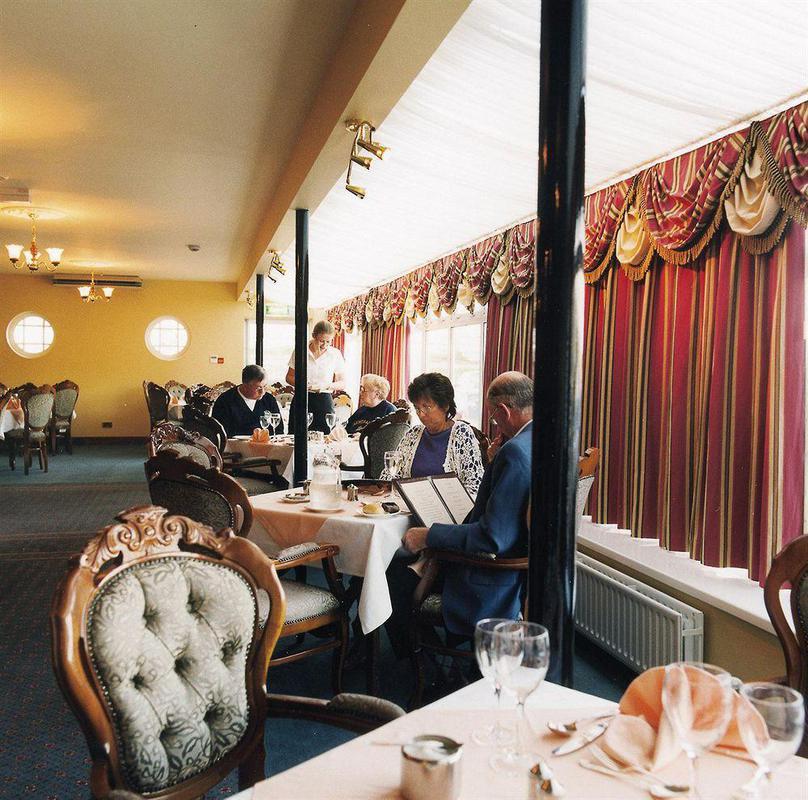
(441, 443)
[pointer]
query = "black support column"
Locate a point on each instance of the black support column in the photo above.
(559, 259)
(300, 401)
(259, 319)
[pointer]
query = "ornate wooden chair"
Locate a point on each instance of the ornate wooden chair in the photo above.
(37, 405)
(162, 633)
(790, 566)
(64, 404)
(185, 443)
(156, 402)
(376, 438)
(195, 396)
(427, 612)
(176, 389)
(217, 500)
(234, 463)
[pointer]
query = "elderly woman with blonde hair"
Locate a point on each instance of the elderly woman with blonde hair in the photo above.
(373, 402)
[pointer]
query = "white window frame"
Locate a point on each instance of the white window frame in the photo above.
(16, 348)
(156, 353)
(478, 316)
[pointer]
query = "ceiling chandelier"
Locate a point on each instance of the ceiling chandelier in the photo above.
(34, 258)
(363, 137)
(89, 294)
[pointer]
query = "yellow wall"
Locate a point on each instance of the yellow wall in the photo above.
(101, 346)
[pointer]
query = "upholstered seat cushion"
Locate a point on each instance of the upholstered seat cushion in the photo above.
(254, 486)
(306, 602)
(192, 451)
(19, 433)
(168, 640)
(431, 610)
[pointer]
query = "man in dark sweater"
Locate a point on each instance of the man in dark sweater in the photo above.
(240, 409)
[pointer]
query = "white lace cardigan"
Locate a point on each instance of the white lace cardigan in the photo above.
(462, 455)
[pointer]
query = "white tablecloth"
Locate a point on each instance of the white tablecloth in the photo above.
(367, 546)
(360, 770)
(283, 450)
(11, 419)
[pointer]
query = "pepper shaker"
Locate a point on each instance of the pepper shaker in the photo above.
(352, 493)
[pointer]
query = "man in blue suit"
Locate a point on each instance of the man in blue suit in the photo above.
(497, 524)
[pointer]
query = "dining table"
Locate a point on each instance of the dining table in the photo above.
(369, 767)
(11, 417)
(282, 448)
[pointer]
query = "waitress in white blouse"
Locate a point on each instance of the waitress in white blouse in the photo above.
(326, 374)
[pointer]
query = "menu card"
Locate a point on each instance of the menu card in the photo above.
(439, 498)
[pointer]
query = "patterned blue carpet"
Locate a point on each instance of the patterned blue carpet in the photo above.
(43, 754)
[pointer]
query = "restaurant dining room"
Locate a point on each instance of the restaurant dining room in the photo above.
(403, 399)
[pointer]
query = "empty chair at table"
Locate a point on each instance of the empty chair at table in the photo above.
(37, 406)
(64, 404)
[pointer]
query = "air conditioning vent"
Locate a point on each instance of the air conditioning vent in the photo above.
(117, 281)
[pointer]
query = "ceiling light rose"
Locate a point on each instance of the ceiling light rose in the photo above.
(89, 294)
(33, 256)
(363, 137)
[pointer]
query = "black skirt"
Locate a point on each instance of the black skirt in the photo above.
(320, 404)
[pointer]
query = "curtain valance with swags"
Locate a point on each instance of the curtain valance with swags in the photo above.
(693, 357)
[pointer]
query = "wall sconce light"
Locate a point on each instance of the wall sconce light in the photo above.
(276, 264)
(363, 137)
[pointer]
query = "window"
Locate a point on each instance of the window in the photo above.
(455, 347)
(166, 338)
(279, 341)
(29, 335)
(353, 363)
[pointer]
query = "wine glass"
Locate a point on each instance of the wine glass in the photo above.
(310, 418)
(263, 422)
(689, 686)
(391, 465)
(522, 655)
(484, 650)
(274, 421)
(331, 421)
(771, 727)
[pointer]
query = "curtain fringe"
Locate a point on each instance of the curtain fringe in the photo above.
(766, 242)
(775, 180)
(636, 272)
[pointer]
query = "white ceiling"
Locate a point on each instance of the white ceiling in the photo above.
(154, 124)
(660, 77)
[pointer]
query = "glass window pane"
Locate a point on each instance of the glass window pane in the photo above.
(467, 369)
(416, 347)
(30, 334)
(437, 351)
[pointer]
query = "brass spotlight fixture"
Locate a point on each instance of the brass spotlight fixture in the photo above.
(363, 137)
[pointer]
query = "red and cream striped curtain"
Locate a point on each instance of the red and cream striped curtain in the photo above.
(694, 387)
(384, 352)
(508, 342)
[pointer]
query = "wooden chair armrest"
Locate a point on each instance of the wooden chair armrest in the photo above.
(351, 467)
(257, 461)
(296, 558)
(354, 712)
(478, 560)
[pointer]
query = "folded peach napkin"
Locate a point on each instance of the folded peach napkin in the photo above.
(260, 435)
(642, 735)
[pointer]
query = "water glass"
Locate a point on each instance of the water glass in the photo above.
(688, 686)
(771, 725)
(310, 418)
(391, 465)
(274, 421)
(484, 650)
(521, 659)
(263, 422)
(331, 421)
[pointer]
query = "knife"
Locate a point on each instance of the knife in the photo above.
(582, 740)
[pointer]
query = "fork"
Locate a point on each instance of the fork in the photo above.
(608, 762)
(656, 789)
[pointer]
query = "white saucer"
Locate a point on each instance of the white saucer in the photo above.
(242, 438)
(363, 513)
(295, 498)
(323, 510)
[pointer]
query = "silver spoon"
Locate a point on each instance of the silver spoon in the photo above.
(663, 791)
(571, 728)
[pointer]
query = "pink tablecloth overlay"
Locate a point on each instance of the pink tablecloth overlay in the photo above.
(367, 544)
(360, 770)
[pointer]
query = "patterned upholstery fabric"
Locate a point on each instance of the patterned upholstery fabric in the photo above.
(185, 450)
(306, 602)
(65, 402)
(380, 442)
(197, 502)
(18, 433)
(39, 409)
(431, 609)
(802, 609)
(581, 496)
(295, 551)
(254, 486)
(168, 641)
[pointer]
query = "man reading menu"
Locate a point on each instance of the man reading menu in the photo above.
(497, 524)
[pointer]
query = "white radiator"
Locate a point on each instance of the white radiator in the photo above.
(638, 625)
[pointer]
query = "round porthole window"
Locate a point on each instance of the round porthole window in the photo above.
(166, 338)
(29, 335)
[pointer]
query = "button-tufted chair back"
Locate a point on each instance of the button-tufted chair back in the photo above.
(162, 635)
(67, 395)
(207, 495)
(176, 389)
(378, 437)
(38, 406)
(186, 444)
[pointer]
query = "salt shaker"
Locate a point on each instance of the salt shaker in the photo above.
(352, 493)
(430, 768)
